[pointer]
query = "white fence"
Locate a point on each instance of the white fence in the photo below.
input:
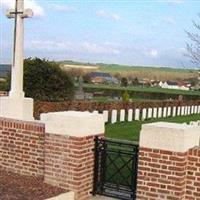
(148, 113)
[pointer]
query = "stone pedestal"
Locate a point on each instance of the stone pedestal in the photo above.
(16, 108)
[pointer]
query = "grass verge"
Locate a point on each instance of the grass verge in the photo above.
(131, 130)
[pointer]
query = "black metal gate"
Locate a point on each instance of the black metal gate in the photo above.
(115, 168)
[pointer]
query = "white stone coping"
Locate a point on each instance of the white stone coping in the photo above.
(73, 123)
(64, 196)
(16, 108)
(169, 136)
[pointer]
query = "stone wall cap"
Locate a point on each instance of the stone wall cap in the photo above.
(73, 123)
(169, 136)
(170, 125)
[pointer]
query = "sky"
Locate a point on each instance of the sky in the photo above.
(130, 32)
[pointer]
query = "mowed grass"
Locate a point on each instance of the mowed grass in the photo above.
(140, 89)
(131, 130)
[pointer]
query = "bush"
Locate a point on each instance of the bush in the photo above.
(125, 97)
(45, 81)
(124, 82)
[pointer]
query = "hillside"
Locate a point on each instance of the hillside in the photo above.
(156, 73)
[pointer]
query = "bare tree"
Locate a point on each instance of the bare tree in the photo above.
(193, 49)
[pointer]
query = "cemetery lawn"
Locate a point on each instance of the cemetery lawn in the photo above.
(131, 130)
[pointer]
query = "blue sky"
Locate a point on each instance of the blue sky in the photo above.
(137, 32)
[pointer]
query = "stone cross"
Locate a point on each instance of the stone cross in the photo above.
(19, 13)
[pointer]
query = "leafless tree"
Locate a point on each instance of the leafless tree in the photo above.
(193, 48)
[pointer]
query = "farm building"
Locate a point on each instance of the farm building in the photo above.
(102, 77)
(174, 85)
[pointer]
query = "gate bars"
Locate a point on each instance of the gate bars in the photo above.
(115, 168)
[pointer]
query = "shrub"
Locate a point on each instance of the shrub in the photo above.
(44, 80)
(125, 97)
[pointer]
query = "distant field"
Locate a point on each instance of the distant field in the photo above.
(159, 73)
(140, 89)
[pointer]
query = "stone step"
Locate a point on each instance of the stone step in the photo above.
(97, 197)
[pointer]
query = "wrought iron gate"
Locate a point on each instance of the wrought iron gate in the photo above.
(115, 168)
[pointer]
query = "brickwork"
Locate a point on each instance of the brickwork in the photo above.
(193, 175)
(168, 175)
(22, 147)
(44, 107)
(69, 163)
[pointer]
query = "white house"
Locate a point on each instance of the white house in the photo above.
(173, 85)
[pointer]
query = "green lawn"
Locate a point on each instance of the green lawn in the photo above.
(131, 130)
(101, 87)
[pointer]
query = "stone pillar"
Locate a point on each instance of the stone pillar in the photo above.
(165, 112)
(105, 115)
(164, 169)
(199, 109)
(130, 115)
(188, 109)
(122, 115)
(150, 111)
(137, 114)
(168, 111)
(195, 109)
(192, 110)
(144, 113)
(114, 116)
(154, 112)
(159, 112)
(174, 111)
(182, 110)
(178, 111)
(69, 158)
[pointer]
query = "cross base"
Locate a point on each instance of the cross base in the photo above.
(16, 108)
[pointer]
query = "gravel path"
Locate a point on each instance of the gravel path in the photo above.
(17, 187)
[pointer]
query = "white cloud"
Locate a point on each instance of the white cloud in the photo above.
(50, 46)
(101, 13)
(37, 9)
(112, 16)
(60, 46)
(62, 8)
(99, 49)
(115, 17)
(153, 53)
(169, 20)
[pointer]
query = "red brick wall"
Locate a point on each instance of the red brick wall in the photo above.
(168, 175)
(193, 175)
(69, 163)
(43, 107)
(22, 147)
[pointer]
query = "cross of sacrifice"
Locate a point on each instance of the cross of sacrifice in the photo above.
(19, 13)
